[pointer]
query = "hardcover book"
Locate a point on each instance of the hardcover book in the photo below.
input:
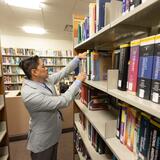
(147, 49)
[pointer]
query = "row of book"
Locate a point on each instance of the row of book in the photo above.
(80, 147)
(55, 61)
(47, 61)
(40, 52)
(95, 139)
(11, 60)
(96, 65)
(13, 79)
(142, 75)
(92, 98)
(101, 13)
(139, 132)
(85, 27)
(12, 87)
(17, 51)
(12, 70)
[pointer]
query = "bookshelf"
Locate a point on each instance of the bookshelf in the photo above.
(13, 75)
(137, 23)
(4, 141)
(130, 23)
(93, 154)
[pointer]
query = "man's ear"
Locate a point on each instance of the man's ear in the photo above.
(34, 72)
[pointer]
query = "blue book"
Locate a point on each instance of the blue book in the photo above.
(155, 88)
(145, 69)
(100, 12)
(124, 6)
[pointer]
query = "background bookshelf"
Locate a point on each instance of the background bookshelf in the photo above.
(54, 60)
(4, 142)
(130, 25)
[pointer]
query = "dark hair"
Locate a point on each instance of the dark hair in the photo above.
(28, 64)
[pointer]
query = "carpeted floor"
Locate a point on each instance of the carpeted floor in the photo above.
(65, 151)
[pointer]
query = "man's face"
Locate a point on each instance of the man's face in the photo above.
(41, 72)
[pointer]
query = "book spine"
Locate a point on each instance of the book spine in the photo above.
(155, 87)
(133, 66)
(123, 67)
(123, 125)
(124, 7)
(144, 136)
(137, 2)
(145, 67)
(100, 14)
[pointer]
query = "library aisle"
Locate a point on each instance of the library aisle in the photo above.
(83, 74)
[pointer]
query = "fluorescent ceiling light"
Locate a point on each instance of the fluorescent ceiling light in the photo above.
(34, 30)
(31, 4)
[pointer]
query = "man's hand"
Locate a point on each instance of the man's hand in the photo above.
(82, 55)
(81, 77)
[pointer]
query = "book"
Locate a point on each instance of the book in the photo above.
(154, 145)
(147, 49)
(155, 86)
(76, 22)
(97, 103)
(130, 128)
(123, 66)
(127, 6)
(88, 65)
(133, 67)
(144, 136)
(131, 6)
(123, 125)
(137, 2)
(124, 7)
(100, 12)
(92, 19)
(116, 59)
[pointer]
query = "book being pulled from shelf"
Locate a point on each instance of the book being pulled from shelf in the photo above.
(97, 103)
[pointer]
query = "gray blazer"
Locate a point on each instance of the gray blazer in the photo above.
(42, 105)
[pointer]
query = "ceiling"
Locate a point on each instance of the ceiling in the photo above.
(54, 16)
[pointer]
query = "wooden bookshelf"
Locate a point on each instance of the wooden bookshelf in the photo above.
(4, 141)
(137, 23)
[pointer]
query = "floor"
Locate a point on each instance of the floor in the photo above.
(65, 151)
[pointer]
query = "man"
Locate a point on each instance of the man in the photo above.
(43, 104)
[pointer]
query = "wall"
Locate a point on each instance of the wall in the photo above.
(35, 43)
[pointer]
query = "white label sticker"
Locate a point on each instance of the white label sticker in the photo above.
(141, 93)
(119, 83)
(130, 86)
(155, 97)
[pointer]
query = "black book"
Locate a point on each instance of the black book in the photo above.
(137, 2)
(123, 67)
